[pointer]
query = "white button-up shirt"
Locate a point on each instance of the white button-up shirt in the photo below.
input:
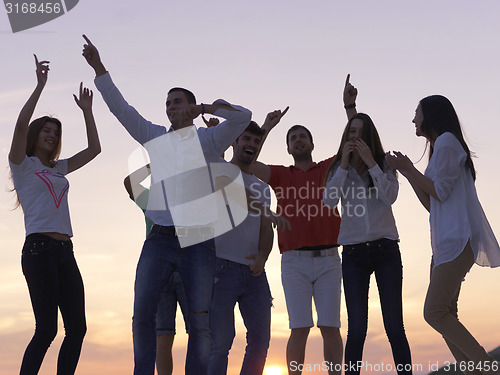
(366, 212)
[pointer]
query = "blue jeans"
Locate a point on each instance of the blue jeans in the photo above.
(160, 256)
(167, 308)
(358, 262)
(54, 281)
(234, 282)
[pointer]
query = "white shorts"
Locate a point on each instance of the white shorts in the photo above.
(305, 277)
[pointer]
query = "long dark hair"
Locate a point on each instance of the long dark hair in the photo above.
(34, 129)
(371, 138)
(440, 117)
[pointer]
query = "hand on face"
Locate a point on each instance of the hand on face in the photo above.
(349, 147)
(364, 152)
(190, 112)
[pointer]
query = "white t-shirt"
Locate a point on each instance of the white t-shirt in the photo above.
(243, 240)
(43, 194)
(457, 216)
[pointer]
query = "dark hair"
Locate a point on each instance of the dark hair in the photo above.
(254, 129)
(440, 117)
(296, 127)
(191, 99)
(371, 138)
(34, 129)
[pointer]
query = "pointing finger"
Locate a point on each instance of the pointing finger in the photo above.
(347, 79)
(87, 40)
(284, 111)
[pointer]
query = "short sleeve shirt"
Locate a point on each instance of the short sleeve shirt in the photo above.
(300, 200)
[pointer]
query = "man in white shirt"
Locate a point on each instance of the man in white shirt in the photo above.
(182, 236)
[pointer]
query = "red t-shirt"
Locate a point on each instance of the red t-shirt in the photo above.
(300, 200)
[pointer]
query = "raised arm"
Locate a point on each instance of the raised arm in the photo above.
(84, 101)
(92, 56)
(350, 95)
(261, 170)
(133, 181)
(18, 147)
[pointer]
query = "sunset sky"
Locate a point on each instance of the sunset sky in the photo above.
(264, 55)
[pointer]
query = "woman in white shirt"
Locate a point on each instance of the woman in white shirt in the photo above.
(460, 232)
(48, 263)
(367, 188)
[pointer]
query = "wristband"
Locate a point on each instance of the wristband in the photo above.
(350, 106)
(202, 109)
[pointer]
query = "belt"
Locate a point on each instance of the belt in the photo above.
(172, 230)
(315, 253)
(376, 243)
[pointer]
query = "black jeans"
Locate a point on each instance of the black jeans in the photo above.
(54, 281)
(359, 261)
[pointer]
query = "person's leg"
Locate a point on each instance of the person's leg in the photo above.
(255, 307)
(296, 277)
(227, 289)
(72, 306)
(196, 266)
(296, 349)
(389, 276)
(165, 328)
(356, 271)
(332, 349)
(39, 265)
(155, 266)
(180, 294)
(164, 360)
(440, 308)
(327, 295)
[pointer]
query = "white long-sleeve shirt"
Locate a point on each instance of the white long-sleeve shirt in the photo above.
(457, 215)
(180, 161)
(366, 212)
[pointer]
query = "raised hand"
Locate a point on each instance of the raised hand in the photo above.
(210, 123)
(350, 92)
(42, 70)
(364, 152)
(273, 118)
(399, 162)
(91, 54)
(84, 100)
(190, 112)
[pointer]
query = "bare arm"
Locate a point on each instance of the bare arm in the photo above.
(266, 237)
(133, 181)
(84, 101)
(350, 95)
(18, 147)
(261, 170)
